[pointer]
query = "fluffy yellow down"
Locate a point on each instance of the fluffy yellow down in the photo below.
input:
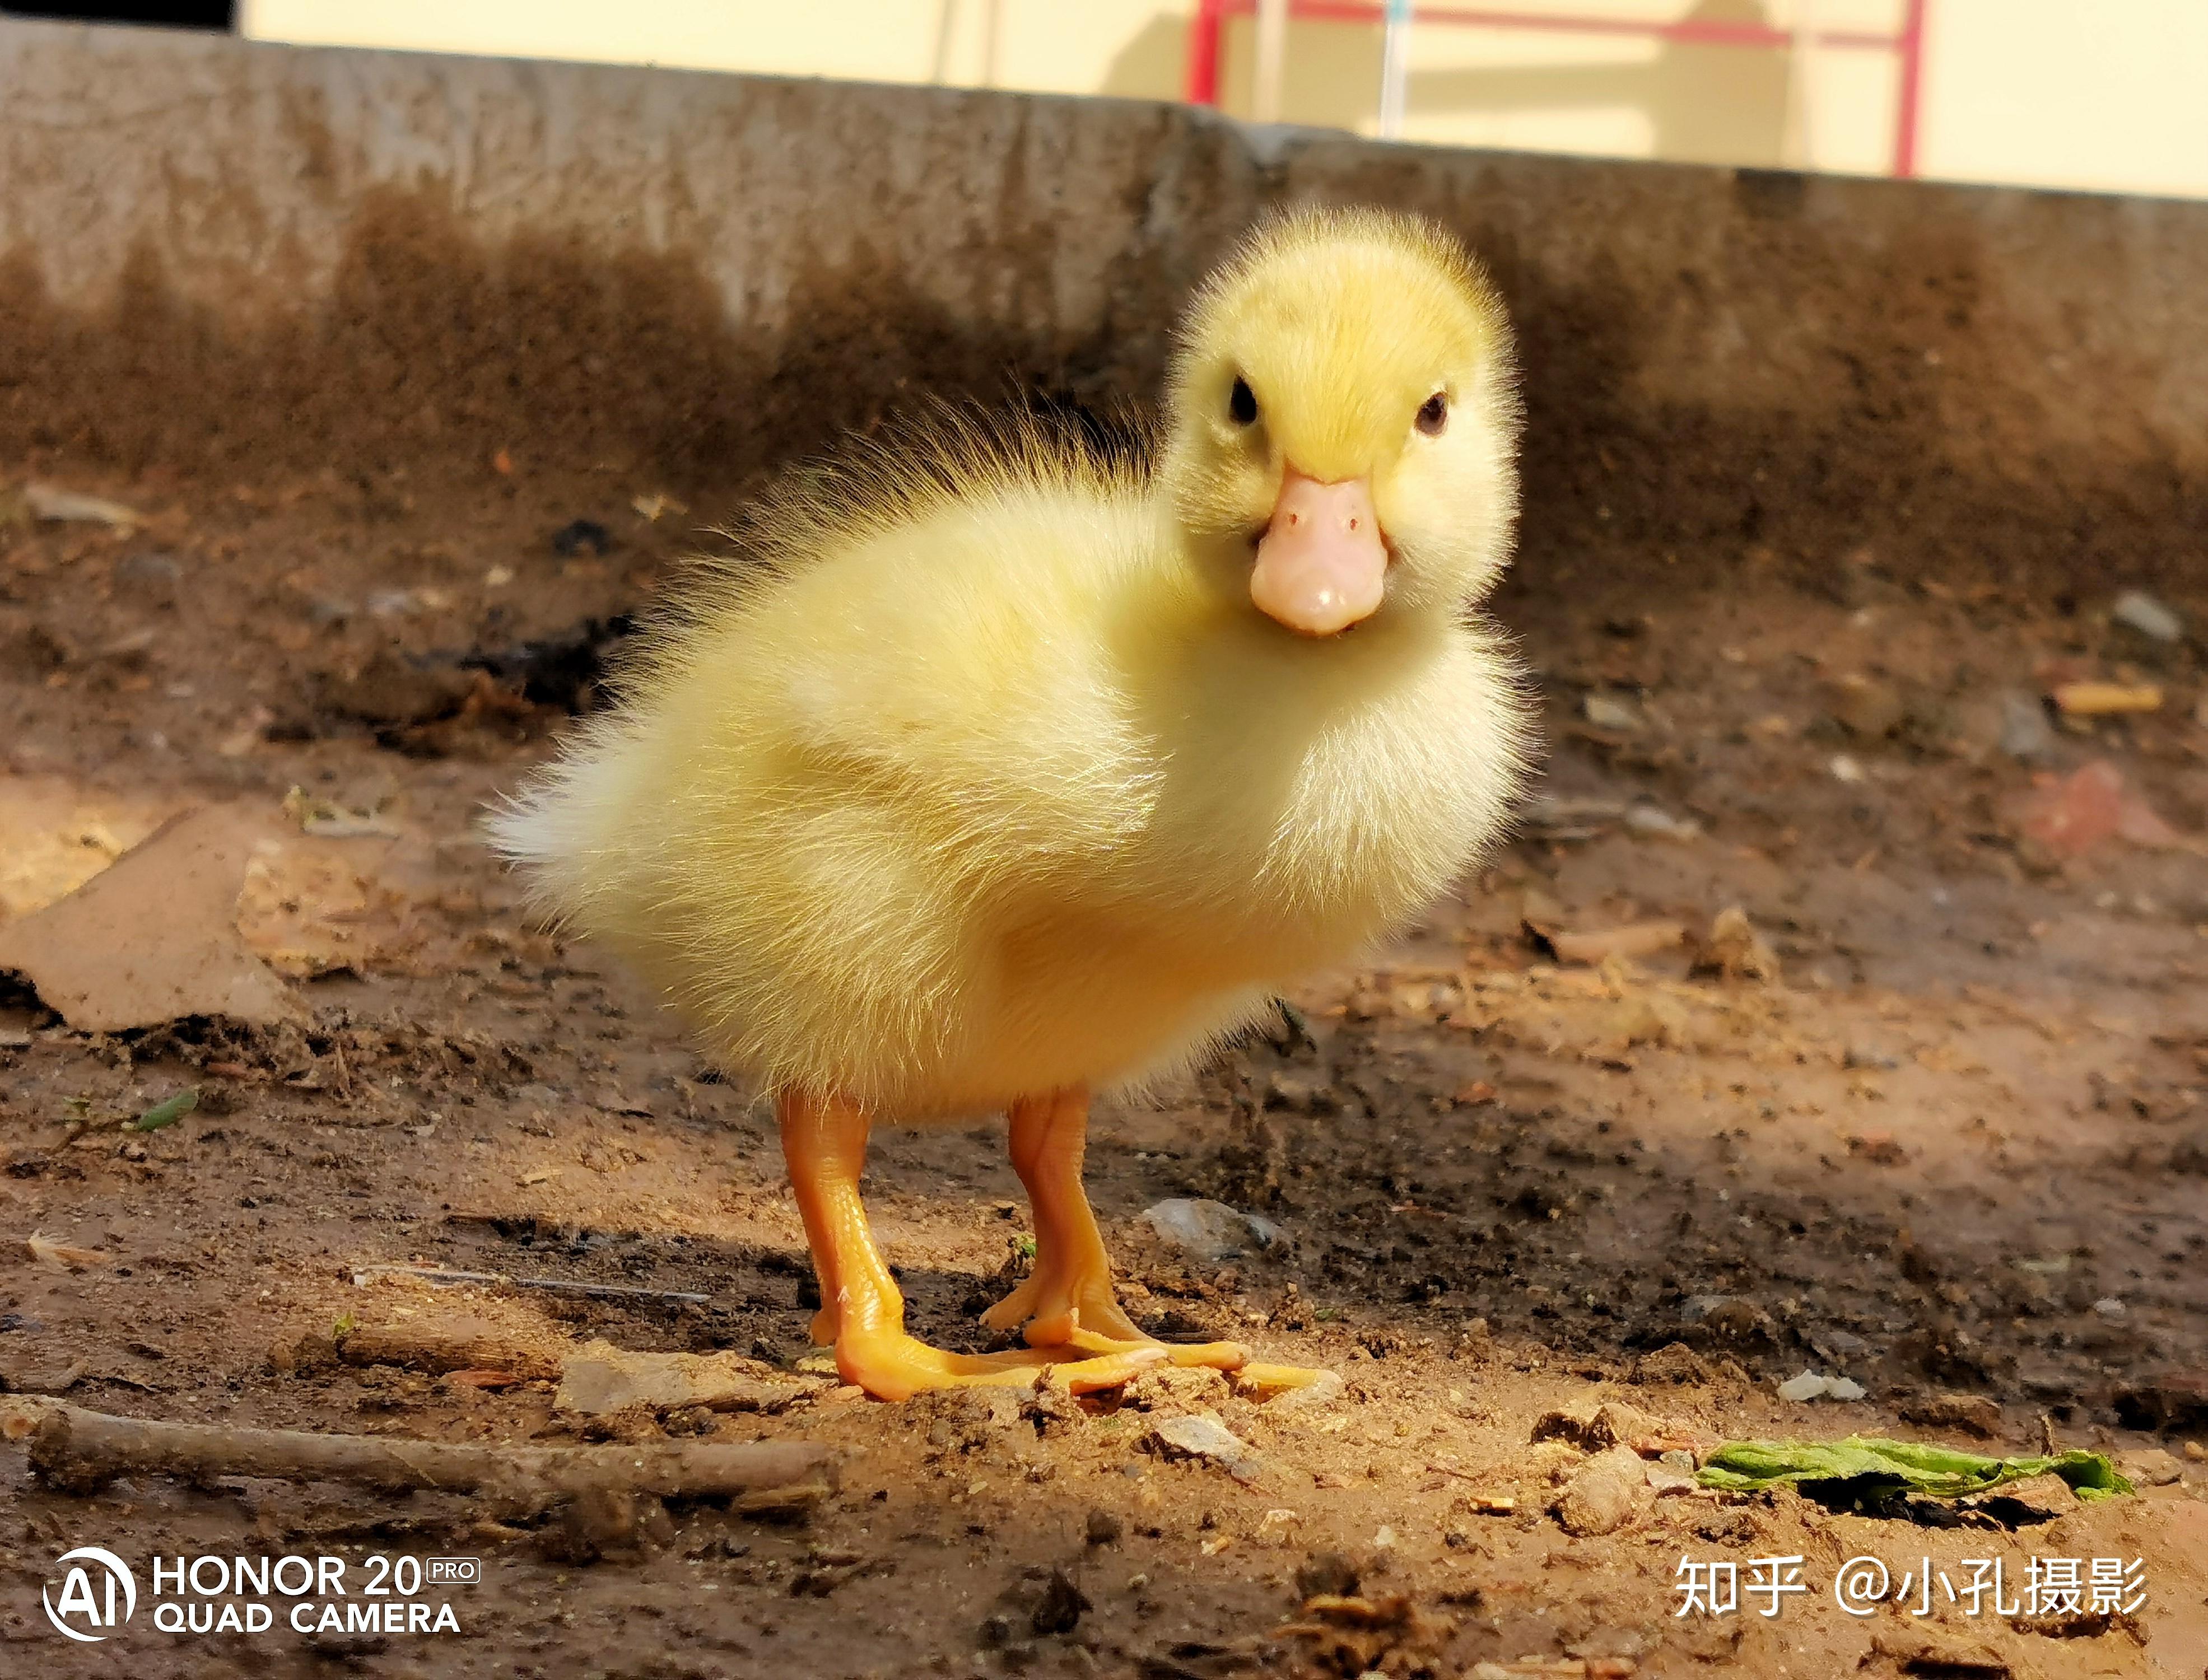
(973, 776)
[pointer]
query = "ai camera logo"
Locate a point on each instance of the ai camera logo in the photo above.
(82, 1612)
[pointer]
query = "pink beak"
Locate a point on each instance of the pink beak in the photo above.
(1321, 566)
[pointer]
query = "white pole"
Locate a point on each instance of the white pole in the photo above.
(943, 20)
(1797, 150)
(1272, 59)
(1394, 68)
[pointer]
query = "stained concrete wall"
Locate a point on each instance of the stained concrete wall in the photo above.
(259, 261)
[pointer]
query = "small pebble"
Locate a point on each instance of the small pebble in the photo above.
(2026, 734)
(1210, 1230)
(1614, 715)
(1327, 1575)
(1657, 824)
(2151, 1467)
(1208, 1439)
(1810, 1385)
(1867, 708)
(150, 567)
(1603, 1493)
(578, 534)
(2147, 615)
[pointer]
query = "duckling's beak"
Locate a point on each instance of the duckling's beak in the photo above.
(1322, 563)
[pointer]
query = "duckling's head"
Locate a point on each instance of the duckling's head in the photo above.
(1342, 417)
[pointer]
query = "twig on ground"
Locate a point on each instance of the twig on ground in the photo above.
(79, 1451)
(440, 1276)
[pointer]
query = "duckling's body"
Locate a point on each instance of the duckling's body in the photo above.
(952, 809)
(995, 772)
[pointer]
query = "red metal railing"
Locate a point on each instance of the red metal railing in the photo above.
(1207, 24)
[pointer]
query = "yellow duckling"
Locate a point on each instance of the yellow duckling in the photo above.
(994, 772)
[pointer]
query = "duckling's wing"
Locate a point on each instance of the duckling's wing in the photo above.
(939, 622)
(967, 667)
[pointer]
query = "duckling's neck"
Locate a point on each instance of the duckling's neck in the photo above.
(1302, 794)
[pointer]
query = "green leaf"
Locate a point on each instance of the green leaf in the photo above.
(169, 1111)
(1891, 1467)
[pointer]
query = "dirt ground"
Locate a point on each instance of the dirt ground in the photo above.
(1954, 1150)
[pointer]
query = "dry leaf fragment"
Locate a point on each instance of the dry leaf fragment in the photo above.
(47, 1251)
(57, 506)
(1735, 951)
(2091, 804)
(481, 1379)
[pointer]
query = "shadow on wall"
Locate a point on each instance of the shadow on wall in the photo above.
(1714, 104)
(434, 347)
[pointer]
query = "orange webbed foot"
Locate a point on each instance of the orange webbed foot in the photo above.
(1261, 1381)
(890, 1365)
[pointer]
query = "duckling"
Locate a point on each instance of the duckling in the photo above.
(995, 771)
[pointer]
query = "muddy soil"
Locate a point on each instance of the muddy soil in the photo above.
(1949, 1145)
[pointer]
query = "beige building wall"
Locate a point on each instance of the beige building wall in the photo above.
(2101, 94)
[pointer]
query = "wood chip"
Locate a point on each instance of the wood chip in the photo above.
(457, 1342)
(2107, 699)
(1595, 946)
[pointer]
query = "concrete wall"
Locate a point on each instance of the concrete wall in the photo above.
(262, 261)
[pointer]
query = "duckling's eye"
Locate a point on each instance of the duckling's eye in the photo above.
(1242, 403)
(1433, 415)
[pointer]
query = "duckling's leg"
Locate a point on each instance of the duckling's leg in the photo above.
(1068, 1301)
(825, 1142)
